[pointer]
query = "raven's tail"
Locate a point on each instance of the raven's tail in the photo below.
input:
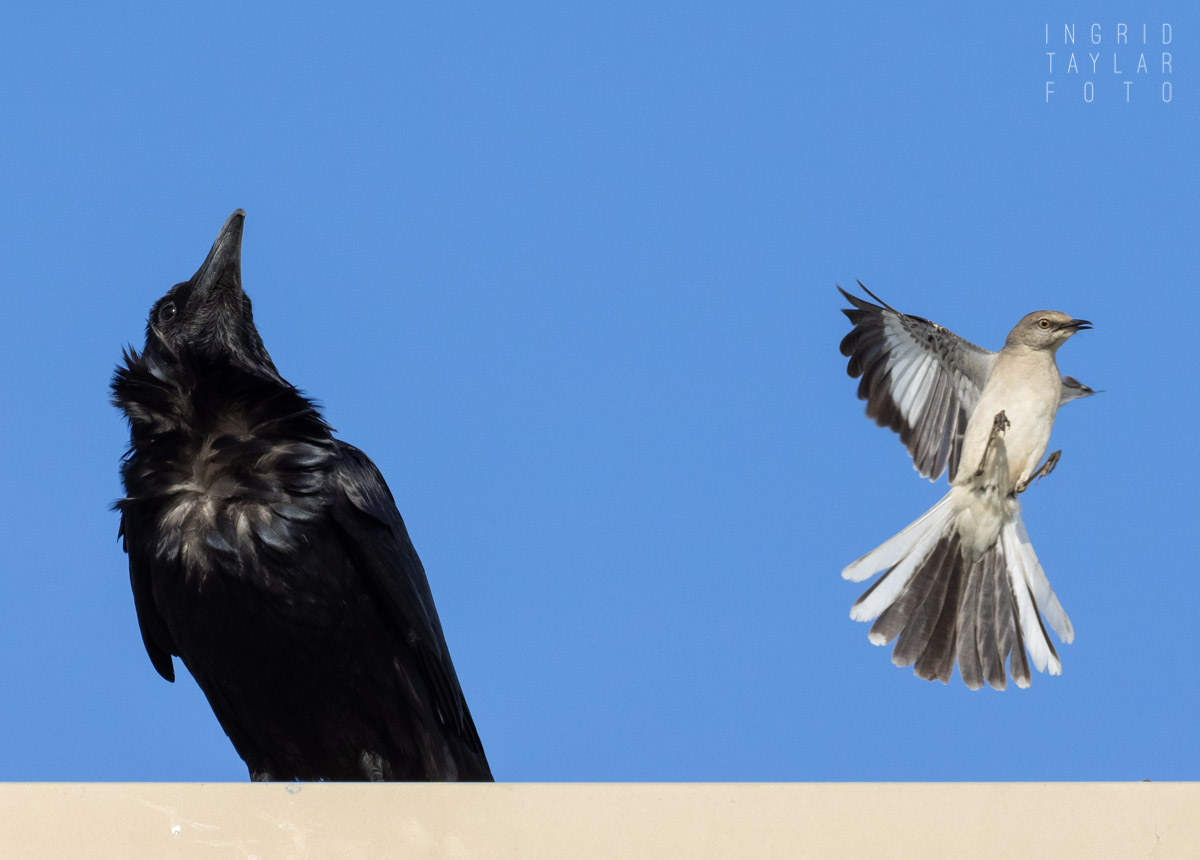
(938, 598)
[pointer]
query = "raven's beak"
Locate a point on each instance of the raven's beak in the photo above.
(1077, 325)
(223, 265)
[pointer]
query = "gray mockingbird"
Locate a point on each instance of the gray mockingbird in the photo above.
(963, 579)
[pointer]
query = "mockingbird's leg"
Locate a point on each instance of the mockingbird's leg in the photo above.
(1045, 470)
(999, 425)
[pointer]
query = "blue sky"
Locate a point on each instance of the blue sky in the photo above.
(567, 275)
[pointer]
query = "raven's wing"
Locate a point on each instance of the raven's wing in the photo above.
(917, 378)
(375, 533)
(155, 635)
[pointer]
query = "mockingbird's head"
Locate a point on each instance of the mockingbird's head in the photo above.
(1044, 330)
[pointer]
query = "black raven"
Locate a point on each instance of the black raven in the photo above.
(270, 557)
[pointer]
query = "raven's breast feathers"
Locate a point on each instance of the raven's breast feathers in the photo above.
(223, 460)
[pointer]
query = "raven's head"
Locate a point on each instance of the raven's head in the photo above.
(208, 319)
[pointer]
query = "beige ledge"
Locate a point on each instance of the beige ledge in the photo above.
(840, 820)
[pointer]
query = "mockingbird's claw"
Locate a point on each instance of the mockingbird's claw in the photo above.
(1049, 465)
(999, 425)
(1045, 470)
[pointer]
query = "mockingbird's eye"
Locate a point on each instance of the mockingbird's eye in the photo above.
(1043, 323)
(167, 312)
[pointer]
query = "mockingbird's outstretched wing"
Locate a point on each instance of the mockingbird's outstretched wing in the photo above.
(1073, 389)
(917, 378)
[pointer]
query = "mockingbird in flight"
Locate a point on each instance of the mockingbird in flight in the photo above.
(963, 579)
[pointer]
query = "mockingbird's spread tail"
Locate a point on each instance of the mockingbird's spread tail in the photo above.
(963, 580)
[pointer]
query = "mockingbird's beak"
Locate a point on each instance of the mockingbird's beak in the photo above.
(1077, 325)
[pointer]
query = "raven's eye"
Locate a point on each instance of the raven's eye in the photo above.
(167, 312)
(1042, 323)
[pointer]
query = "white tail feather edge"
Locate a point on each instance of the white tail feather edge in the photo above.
(1047, 600)
(904, 551)
(1017, 557)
